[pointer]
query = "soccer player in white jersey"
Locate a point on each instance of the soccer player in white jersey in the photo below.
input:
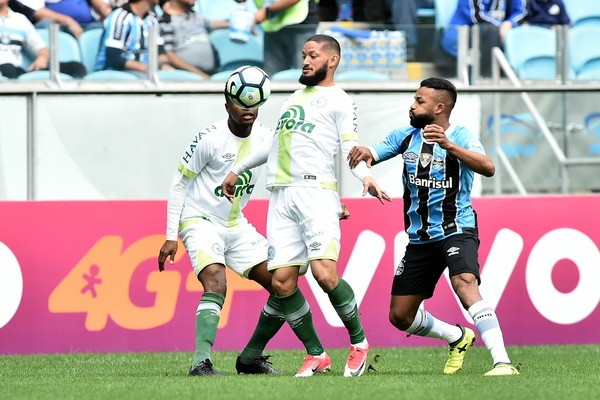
(216, 234)
(302, 221)
(440, 160)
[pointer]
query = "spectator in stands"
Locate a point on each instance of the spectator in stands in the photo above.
(81, 11)
(17, 34)
(547, 13)
(185, 33)
(404, 17)
(287, 24)
(124, 45)
(43, 17)
(494, 18)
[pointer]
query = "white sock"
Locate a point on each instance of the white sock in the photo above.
(488, 327)
(427, 325)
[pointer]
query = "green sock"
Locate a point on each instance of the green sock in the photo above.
(342, 299)
(207, 320)
(297, 313)
(270, 321)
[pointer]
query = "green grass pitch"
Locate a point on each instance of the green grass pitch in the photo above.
(547, 372)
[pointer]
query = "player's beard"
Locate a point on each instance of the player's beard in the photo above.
(421, 121)
(318, 77)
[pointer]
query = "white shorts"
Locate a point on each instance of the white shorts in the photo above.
(240, 248)
(302, 225)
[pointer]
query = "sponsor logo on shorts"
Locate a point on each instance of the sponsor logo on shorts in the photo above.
(310, 177)
(452, 251)
(314, 246)
(399, 268)
(217, 249)
(271, 253)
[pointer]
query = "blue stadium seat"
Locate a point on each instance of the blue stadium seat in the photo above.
(68, 47)
(178, 75)
(232, 54)
(220, 9)
(292, 74)
(583, 12)
(222, 75)
(42, 75)
(531, 52)
(89, 44)
(360, 75)
(584, 51)
(109, 75)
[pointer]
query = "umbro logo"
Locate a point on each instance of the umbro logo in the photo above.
(452, 251)
(314, 246)
(228, 157)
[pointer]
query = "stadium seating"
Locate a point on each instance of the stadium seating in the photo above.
(232, 54)
(361, 75)
(42, 75)
(109, 75)
(531, 52)
(584, 51)
(3, 78)
(89, 44)
(583, 12)
(68, 47)
(287, 75)
(222, 75)
(178, 75)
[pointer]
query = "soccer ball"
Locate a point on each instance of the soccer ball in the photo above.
(248, 87)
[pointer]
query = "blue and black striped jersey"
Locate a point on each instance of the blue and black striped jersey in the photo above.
(437, 186)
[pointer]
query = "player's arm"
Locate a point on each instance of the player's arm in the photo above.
(362, 172)
(177, 194)
(255, 159)
(471, 153)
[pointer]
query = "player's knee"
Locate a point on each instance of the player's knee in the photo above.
(283, 287)
(327, 282)
(400, 320)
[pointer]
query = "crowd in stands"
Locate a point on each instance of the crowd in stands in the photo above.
(184, 41)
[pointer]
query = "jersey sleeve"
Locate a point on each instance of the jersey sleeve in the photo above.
(390, 146)
(346, 120)
(177, 194)
(196, 155)
(466, 140)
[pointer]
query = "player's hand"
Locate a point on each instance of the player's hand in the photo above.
(433, 133)
(345, 212)
(228, 185)
(371, 187)
(358, 154)
(168, 250)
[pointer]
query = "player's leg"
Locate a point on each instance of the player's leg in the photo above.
(299, 316)
(208, 314)
(414, 281)
(287, 260)
(271, 319)
(204, 246)
(343, 301)
(464, 275)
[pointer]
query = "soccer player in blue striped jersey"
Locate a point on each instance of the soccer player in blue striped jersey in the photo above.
(440, 160)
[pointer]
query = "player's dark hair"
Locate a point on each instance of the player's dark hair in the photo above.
(328, 42)
(442, 84)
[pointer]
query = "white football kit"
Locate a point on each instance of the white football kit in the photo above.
(304, 209)
(212, 229)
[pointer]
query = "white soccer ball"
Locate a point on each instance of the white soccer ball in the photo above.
(248, 87)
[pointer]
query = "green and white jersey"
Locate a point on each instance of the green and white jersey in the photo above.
(314, 123)
(207, 161)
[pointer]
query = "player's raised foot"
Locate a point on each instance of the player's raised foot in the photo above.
(313, 364)
(502, 369)
(357, 359)
(458, 350)
(260, 365)
(204, 368)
